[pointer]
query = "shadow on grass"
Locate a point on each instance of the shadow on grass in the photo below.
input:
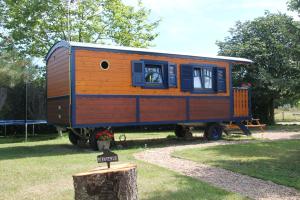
(42, 150)
(17, 152)
(19, 138)
(158, 142)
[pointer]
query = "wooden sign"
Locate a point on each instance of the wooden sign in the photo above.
(107, 157)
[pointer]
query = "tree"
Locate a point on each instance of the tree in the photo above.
(36, 25)
(12, 64)
(294, 5)
(29, 28)
(15, 71)
(271, 42)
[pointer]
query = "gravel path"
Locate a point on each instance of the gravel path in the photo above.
(245, 185)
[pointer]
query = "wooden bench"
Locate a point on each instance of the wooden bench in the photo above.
(253, 123)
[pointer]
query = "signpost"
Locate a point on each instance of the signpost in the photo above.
(107, 157)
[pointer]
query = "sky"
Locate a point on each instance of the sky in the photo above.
(194, 26)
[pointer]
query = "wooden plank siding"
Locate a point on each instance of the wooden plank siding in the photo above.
(58, 111)
(123, 109)
(206, 108)
(90, 79)
(93, 110)
(162, 109)
(58, 87)
(58, 83)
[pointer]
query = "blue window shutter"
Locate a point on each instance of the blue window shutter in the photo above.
(221, 79)
(186, 77)
(215, 79)
(165, 74)
(138, 68)
(172, 74)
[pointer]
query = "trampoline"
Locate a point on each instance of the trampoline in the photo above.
(27, 111)
(25, 123)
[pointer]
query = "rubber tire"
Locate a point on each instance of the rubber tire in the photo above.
(181, 131)
(73, 138)
(93, 141)
(213, 132)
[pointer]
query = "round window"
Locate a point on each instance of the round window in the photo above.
(104, 64)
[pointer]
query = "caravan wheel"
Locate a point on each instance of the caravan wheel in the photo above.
(182, 131)
(74, 139)
(213, 132)
(93, 140)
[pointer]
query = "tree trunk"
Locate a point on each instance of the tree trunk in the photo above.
(263, 108)
(116, 183)
(271, 112)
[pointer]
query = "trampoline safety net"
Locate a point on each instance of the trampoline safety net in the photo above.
(23, 102)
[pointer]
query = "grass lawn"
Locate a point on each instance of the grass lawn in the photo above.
(42, 169)
(278, 161)
(286, 128)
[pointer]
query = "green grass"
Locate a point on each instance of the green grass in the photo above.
(42, 169)
(277, 161)
(285, 128)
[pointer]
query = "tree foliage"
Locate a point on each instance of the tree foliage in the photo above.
(12, 64)
(36, 25)
(17, 71)
(272, 43)
(294, 5)
(28, 28)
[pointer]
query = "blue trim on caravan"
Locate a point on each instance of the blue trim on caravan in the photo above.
(148, 96)
(57, 45)
(239, 119)
(137, 109)
(146, 123)
(250, 102)
(231, 92)
(73, 89)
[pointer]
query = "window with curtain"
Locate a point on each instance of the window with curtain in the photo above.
(202, 78)
(153, 74)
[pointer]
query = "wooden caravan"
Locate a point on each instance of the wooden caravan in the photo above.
(91, 86)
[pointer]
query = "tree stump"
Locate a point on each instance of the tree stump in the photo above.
(115, 183)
